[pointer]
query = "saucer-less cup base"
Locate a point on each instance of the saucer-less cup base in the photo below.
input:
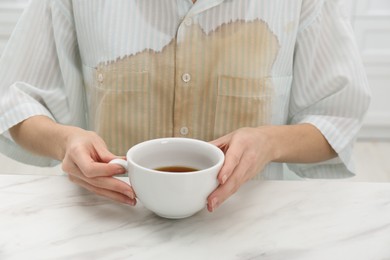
(168, 194)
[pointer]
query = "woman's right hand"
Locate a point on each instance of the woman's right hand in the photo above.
(84, 155)
(86, 163)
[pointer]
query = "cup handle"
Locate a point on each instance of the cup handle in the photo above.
(120, 162)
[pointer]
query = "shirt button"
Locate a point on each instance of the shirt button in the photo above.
(184, 131)
(186, 77)
(100, 77)
(188, 21)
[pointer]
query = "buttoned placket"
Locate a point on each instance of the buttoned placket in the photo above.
(184, 84)
(185, 79)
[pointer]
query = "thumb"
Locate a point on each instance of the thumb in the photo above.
(221, 142)
(106, 156)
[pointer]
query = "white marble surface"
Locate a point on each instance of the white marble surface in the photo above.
(47, 217)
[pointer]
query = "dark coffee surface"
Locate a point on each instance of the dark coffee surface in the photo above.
(176, 169)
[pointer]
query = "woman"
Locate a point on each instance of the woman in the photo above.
(268, 82)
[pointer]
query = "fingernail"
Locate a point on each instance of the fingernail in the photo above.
(131, 202)
(130, 195)
(224, 178)
(120, 170)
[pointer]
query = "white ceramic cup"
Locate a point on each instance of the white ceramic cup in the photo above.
(173, 194)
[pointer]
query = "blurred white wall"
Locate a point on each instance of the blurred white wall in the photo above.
(371, 22)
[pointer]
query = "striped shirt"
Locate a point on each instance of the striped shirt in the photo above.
(134, 70)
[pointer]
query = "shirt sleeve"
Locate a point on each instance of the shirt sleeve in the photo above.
(330, 89)
(40, 74)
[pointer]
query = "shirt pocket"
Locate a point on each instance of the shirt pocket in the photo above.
(242, 102)
(119, 106)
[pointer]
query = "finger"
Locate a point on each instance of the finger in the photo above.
(222, 141)
(108, 183)
(105, 155)
(232, 160)
(223, 192)
(92, 169)
(116, 196)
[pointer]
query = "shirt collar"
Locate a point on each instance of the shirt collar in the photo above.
(202, 5)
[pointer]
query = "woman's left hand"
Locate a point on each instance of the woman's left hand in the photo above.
(247, 152)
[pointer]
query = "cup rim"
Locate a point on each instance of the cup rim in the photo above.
(133, 149)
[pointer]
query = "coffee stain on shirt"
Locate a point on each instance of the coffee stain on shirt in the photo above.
(204, 86)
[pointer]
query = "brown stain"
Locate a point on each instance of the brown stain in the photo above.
(230, 68)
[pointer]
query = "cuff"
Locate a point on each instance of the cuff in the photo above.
(341, 134)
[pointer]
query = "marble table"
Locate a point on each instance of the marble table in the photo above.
(47, 217)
